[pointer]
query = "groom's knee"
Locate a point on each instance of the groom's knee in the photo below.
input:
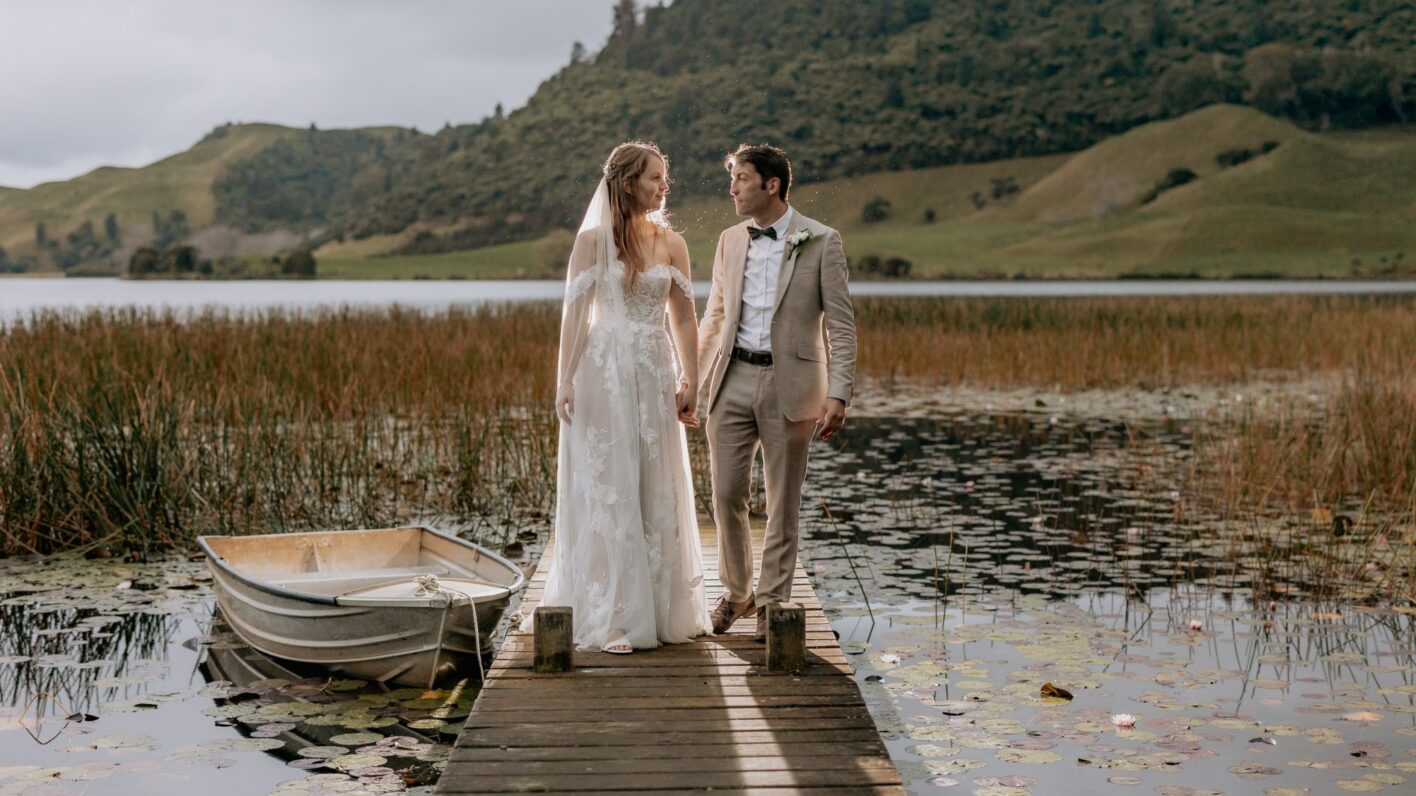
(731, 495)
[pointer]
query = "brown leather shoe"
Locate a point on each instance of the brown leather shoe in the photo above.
(726, 613)
(761, 634)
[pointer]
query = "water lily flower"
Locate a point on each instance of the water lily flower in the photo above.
(1196, 626)
(1124, 721)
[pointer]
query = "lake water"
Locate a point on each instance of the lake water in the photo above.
(20, 297)
(966, 559)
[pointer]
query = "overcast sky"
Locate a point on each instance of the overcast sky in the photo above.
(87, 83)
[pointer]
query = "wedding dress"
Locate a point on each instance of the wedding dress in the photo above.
(626, 555)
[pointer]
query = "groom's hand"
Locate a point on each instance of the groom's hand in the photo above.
(833, 416)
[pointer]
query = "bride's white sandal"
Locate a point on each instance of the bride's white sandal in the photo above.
(620, 646)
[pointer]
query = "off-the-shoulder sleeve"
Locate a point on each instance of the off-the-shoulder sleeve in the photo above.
(578, 285)
(681, 282)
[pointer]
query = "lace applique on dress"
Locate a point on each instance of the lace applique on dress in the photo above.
(627, 559)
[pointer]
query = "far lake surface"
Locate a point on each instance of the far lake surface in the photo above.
(20, 297)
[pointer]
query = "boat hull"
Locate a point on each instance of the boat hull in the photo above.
(397, 632)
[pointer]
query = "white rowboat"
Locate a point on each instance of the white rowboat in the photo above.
(409, 606)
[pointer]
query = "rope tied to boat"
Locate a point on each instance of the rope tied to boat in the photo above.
(428, 586)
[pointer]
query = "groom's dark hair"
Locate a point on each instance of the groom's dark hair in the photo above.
(769, 161)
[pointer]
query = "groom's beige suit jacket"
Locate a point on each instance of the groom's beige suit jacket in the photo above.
(813, 326)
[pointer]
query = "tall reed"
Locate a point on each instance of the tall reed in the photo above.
(1081, 343)
(129, 429)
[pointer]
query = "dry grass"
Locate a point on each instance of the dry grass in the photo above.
(134, 429)
(137, 429)
(1083, 343)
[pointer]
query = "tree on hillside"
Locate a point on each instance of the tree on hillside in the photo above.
(110, 228)
(1162, 27)
(577, 53)
(144, 261)
(83, 246)
(169, 229)
(41, 236)
(626, 16)
(298, 263)
(1190, 85)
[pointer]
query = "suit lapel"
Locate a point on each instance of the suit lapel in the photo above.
(788, 259)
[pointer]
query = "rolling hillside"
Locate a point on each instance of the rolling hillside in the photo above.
(901, 99)
(1313, 205)
(181, 182)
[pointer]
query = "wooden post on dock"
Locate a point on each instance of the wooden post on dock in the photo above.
(786, 637)
(553, 639)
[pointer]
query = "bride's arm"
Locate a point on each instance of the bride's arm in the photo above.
(683, 319)
(575, 319)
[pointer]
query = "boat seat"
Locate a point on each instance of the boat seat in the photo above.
(325, 581)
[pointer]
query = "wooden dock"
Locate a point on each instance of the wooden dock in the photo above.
(683, 717)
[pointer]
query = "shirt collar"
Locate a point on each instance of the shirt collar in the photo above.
(783, 224)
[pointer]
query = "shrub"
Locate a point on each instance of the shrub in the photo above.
(876, 210)
(896, 267)
(1174, 179)
(891, 267)
(298, 263)
(1004, 187)
(1233, 157)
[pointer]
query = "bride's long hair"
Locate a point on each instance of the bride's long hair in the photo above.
(625, 165)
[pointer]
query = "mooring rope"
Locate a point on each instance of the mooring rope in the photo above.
(428, 585)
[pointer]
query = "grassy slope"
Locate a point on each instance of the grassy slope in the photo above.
(1332, 206)
(1316, 206)
(180, 181)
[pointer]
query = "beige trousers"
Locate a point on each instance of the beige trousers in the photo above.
(745, 417)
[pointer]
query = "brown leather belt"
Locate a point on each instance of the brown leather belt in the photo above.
(752, 357)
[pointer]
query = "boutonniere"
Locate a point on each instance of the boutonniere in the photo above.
(798, 240)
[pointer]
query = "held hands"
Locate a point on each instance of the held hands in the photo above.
(565, 403)
(686, 399)
(833, 416)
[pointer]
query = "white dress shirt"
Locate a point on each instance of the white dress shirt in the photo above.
(759, 287)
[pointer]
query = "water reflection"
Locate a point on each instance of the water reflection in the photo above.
(971, 504)
(1227, 696)
(1000, 553)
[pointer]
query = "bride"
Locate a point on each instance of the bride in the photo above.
(627, 556)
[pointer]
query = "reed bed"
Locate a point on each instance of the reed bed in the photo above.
(129, 430)
(1084, 343)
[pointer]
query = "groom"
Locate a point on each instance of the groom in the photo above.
(778, 341)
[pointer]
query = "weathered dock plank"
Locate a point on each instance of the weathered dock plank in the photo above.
(684, 717)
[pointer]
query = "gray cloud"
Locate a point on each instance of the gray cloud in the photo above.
(85, 83)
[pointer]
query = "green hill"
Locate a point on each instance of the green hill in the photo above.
(896, 98)
(1313, 205)
(852, 87)
(182, 182)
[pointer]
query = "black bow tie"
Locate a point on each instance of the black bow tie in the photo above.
(755, 232)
